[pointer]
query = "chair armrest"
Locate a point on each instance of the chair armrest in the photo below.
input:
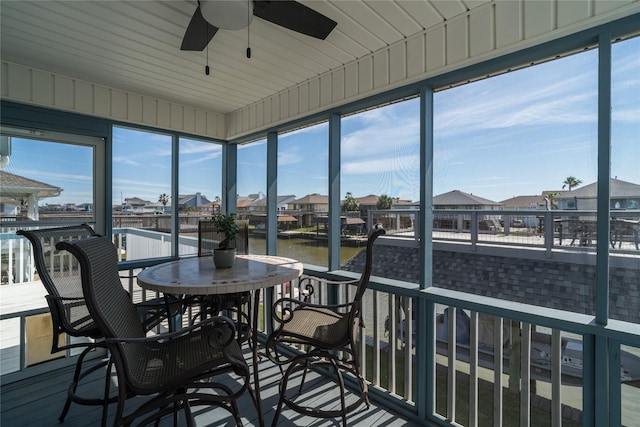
(307, 283)
(289, 305)
(59, 298)
(217, 322)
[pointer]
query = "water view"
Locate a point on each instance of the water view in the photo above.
(304, 250)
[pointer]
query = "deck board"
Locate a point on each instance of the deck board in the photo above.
(37, 401)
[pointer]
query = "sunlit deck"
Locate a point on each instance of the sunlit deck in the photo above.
(38, 401)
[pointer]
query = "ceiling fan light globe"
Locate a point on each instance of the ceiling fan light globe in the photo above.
(227, 14)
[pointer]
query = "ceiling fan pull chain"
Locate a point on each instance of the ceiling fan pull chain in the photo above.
(249, 12)
(206, 69)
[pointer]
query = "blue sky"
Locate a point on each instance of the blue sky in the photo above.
(518, 133)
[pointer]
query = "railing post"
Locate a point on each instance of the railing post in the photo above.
(507, 224)
(548, 232)
(474, 230)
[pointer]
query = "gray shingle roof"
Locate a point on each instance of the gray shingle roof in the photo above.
(618, 189)
(313, 198)
(460, 198)
(11, 184)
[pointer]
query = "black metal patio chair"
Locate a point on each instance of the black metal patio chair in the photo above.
(177, 369)
(60, 276)
(327, 332)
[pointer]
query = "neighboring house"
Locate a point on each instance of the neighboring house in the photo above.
(156, 207)
(282, 203)
(256, 196)
(258, 213)
(132, 204)
(19, 196)
(623, 195)
(398, 203)
(214, 207)
(528, 203)
(370, 203)
(307, 208)
(242, 205)
(457, 199)
(524, 203)
(315, 203)
(196, 201)
(366, 203)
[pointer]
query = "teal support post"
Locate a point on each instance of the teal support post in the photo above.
(425, 325)
(335, 134)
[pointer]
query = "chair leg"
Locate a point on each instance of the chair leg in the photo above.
(343, 404)
(122, 397)
(282, 390)
(304, 375)
(107, 392)
(236, 413)
(74, 384)
(187, 413)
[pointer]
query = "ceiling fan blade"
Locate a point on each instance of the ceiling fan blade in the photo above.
(294, 16)
(199, 33)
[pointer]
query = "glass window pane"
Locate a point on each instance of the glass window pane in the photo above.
(625, 181)
(625, 211)
(252, 191)
(515, 165)
(141, 176)
(200, 188)
(380, 173)
(46, 180)
(303, 193)
(43, 180)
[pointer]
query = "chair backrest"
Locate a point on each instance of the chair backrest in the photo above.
(209, 237)
(60, 275)
(374, 233)
(107, 300)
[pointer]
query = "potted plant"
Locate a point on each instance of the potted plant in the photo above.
(224, 256)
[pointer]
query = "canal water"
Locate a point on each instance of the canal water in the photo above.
(306, 251)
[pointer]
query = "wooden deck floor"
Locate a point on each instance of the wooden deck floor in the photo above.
(38, 401)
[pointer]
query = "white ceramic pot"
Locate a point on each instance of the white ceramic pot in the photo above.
(224, 258)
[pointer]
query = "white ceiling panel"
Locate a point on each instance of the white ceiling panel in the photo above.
(422, 11)
(134, 46)
(449, 8)
(396, 16)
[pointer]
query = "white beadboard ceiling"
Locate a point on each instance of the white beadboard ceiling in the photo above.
(135, 45)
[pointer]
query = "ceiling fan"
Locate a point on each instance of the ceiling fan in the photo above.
(212, 15)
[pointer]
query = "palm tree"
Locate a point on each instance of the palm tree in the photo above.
(571, 182)
(350, 203)
(164, 199)
(384, 202)
(550, 199)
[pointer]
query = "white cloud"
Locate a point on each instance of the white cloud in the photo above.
(291, 156)
(125, 161)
